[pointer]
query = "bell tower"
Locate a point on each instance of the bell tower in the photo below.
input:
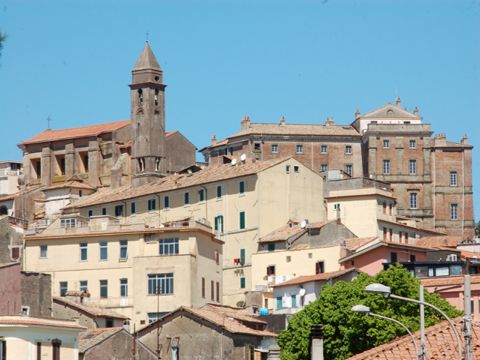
(147, 101)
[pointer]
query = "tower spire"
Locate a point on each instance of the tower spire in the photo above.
(148, 119)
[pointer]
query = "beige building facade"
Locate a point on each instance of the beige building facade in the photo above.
(29, 338)
(136, 270)
(241, 202)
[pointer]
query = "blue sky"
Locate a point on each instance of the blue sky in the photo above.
(306, 60)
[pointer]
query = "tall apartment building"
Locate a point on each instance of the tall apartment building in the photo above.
(140, 271)
(430, 176)
(241, 201)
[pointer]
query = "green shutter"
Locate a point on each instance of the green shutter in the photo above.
(242, 283)
(242, 219)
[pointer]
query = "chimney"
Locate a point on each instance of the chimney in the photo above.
(213, 140)
(329, 122)
(398, 102)
(357, 114)
(441, 139)
(316, 342)
(464, 140)
(282, 120)
(245, 124)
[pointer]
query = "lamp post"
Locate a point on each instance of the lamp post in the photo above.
(386, 292)
(362, 309)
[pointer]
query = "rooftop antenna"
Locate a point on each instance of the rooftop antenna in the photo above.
(48, 122)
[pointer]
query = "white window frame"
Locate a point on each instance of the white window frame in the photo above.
(323, 149)
(412, 167)
(454, 211)
(386, 143)
(453, 178)
(386, 167)
(274, 148)
(413, 200)
(348, 149)
(299, 148)
(412, 144)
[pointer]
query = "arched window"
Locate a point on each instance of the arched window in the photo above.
(157, 164)
(140, 96)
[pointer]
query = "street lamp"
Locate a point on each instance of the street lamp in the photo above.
(362, 309)
(386, 292)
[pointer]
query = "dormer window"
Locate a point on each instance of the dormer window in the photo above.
(140, 96)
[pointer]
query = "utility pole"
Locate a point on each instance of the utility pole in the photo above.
(467, 320)
(422, 325)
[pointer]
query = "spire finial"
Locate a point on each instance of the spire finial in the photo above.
(147, 37)
(48, 122)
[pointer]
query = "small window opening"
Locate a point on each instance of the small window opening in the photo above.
(140, 96)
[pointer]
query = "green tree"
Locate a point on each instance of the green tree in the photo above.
(347, 333)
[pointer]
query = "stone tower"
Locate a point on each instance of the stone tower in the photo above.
(147, 98)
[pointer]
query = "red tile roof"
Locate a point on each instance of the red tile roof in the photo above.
(93, 337)
(89, 309)
(317, 277)
(440, 344)
(75, 133)
(26, 320)
(232, 320)
(449, 280)
(178, 181)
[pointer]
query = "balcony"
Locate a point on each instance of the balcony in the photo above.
(71, 225)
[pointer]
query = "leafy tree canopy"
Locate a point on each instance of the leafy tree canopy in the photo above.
(347, 333)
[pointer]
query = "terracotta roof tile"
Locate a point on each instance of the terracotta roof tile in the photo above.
(70, 184)
(440, 344)
(355, 243)
(449, 280)
(298, 129)
(91, 310)
(74, 133)
(26, 320)
(177, 181)
(317, 277)
(442, 240)
(233, 320)
(93, 337)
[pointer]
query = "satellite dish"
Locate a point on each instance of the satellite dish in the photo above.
(234, 162)
(302, 292)
(243, 157)
(303, 224)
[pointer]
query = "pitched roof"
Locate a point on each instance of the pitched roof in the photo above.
(297, 129)
(317, 277)
(291, 229)
(178, 181)
(93, 337)
(92, 310)
(449, 280)
(439, 240)
(70, 184)
(389, 111)
(27, 320)
(147, 59)
(440, 344)
(228, 318)
(75, 133)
